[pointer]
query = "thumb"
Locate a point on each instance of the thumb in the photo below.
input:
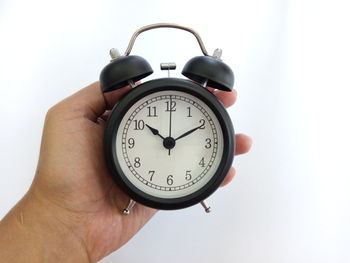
(90, 102)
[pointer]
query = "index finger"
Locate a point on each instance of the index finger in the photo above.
(227, 98)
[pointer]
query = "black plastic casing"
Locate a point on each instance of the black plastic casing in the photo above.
(137, 94)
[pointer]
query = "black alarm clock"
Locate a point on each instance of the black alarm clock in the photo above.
(169, 143)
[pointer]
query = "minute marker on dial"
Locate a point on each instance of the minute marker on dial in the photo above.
(200, 121)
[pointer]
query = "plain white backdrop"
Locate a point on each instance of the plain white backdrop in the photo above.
(289, 201)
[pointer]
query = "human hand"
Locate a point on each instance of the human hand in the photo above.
(73, 201)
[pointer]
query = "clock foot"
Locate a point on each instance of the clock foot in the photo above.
(128, 209)
(206, 207)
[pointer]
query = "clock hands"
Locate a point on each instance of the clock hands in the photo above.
(155, 131)
(168, 142)
(189, 132)
(170, 109)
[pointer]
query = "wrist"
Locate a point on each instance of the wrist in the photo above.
(37, 232)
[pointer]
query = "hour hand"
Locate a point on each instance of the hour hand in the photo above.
(155, 131)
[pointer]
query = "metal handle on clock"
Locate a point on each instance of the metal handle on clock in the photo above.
(168, 25)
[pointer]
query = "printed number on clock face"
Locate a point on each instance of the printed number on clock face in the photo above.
(169, 144)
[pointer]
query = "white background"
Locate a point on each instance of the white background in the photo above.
(289, 201)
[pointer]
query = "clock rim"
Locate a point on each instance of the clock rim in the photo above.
(147, 88)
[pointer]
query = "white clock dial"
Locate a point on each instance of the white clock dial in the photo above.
(169, 144)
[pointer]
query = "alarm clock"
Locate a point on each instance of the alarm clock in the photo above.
(169, 143)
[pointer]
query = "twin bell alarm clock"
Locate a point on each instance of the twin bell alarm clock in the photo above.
(169, 143)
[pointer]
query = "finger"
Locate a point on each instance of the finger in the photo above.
(113, 97)
(101, 121)
(243, 143)
(227, 98)
(229, 177)
(105, 115)
(90, 102)
(87, 102)
(210, 89)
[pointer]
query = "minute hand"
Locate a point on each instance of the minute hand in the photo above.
(188, 132)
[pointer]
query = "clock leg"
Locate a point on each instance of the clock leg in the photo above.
(206, 207)
(128, 209)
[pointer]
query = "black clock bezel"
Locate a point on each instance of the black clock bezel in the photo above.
(130, 99)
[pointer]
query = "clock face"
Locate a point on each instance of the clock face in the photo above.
(169, 144)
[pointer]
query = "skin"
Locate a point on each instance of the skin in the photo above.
(72, 211)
